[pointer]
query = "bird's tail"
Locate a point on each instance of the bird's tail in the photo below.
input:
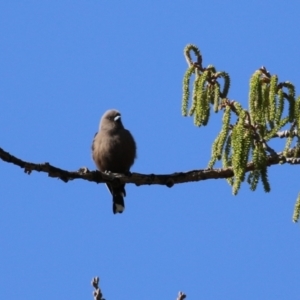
(118, 194)
(118, 203)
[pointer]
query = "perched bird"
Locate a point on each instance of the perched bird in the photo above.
(114, 150)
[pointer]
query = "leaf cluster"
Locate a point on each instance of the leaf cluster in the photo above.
(248, 137)
(207, 90)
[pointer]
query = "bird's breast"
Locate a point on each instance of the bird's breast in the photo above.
(116, 153)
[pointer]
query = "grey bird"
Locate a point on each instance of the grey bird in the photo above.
(114, 150)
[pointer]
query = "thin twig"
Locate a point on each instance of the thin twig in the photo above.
(97, 292)
(285, 133)
(181, 296)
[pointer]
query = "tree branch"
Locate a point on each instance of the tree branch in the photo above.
(97, 291)
(140, 179)
(181, 296)
(285, 133)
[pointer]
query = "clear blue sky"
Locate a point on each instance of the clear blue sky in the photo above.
(64, 63)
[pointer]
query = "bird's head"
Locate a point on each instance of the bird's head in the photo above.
(111, 120)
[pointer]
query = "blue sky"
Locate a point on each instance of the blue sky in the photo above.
(62, 65)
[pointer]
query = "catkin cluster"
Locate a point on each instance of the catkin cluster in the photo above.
(206, 88)
(272, 105)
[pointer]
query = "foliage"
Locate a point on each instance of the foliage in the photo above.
(297, 210)
(247, 139)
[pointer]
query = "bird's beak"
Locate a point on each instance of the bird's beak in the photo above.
(117, 118)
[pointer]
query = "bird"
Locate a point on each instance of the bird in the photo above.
(114, 150)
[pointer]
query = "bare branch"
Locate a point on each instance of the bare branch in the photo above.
(181, 296)
(140, 179)
(97, 292)
(285, 133)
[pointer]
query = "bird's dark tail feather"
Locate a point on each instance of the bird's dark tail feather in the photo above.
(118, 194)
(118, 204)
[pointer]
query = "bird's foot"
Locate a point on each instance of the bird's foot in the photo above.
(83, 170)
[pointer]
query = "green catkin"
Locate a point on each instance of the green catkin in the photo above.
(202, 104)
(255, 97)
(272, 97)
(264, 173)
(216, 97)
(240, 145)
(280, 106)
(226, 87)
(195, 49)
(288, 143)
(225, 130)
(214, 152)
(254, 180)
(227, 158)
(296, 213)
(194, 102)
(297, 113)
(256, 172)
(186, 90)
